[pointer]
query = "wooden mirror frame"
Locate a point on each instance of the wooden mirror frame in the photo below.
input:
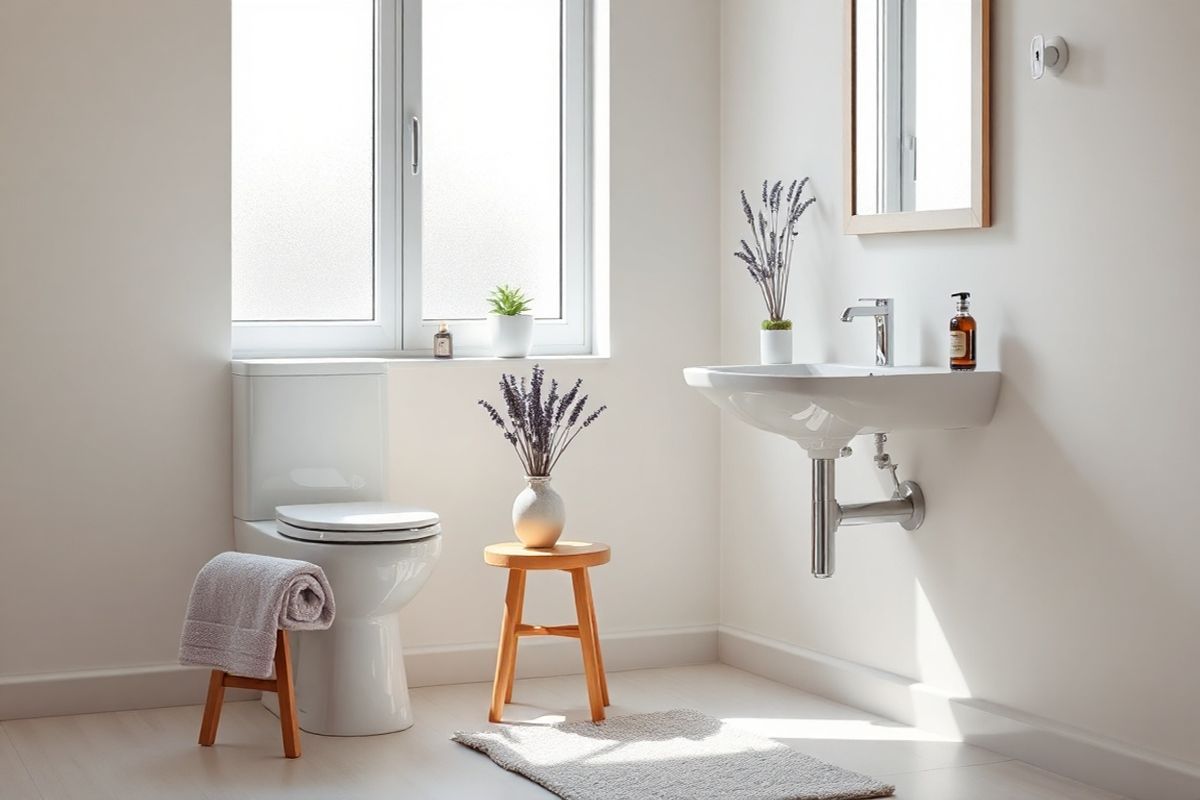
(979, 215)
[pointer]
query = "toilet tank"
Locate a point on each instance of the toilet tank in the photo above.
(307, 433)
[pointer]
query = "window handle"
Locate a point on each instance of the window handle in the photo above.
(416, 146)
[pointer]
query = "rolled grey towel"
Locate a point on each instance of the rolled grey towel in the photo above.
(238, 602)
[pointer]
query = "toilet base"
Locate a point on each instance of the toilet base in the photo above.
(350, 679)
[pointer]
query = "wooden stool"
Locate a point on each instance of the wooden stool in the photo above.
(572, 557)
(281, 684)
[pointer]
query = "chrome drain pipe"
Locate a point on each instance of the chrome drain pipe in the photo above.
(906, 507)
(826, 516)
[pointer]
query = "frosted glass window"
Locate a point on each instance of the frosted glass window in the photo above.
(341, 246)
(491, 129)
(303, 160)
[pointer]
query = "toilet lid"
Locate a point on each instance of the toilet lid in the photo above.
(356, 522)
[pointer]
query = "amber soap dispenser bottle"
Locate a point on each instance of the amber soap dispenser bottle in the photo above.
(962, 334)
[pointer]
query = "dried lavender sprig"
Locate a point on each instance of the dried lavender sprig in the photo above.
(538, 434)
(769, 262)
(565, 404)
(536, 422)
(798, 210)
(761, 260)
(746, 251)
(509, 436)
(566, 436)
(571, 420)
(494, 414)
(746, 208)
(756, 270)
(551, 399)
(764, 251)
(593, 416)
(514, 398)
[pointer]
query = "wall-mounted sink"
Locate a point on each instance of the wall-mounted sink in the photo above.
(822, 407)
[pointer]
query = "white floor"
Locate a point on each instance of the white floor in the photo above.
(153, 754)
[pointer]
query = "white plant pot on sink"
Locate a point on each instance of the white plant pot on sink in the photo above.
(511, 336)
(775, 347)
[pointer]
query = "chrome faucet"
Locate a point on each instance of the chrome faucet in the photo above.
(882, 312)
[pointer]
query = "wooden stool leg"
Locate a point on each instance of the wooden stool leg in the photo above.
(288, 721)
(506, 653)
(212, 708)
(512, 659)
(587, 583)
(587, 642)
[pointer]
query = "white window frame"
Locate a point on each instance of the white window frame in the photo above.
(896, 134)
(398, 328)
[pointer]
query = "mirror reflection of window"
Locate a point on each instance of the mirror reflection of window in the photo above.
(941, 122)
(912, 105)
(867, 135)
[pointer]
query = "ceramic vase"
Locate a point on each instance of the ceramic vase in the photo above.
(538, 513)
(511, 335)
(775, 347)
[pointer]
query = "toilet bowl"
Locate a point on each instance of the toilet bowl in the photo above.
(310, 458)
(350, 679)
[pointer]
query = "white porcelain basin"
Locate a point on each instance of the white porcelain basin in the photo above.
(823, 406)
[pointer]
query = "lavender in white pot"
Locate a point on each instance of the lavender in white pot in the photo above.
(540, 425)
(769, 261)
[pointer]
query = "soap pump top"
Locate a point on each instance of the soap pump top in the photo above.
(964, 301)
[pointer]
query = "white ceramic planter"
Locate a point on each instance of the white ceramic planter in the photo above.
(775, 347)
(511, 336)
(538, 514)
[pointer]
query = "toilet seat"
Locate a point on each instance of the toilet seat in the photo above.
(357, 523)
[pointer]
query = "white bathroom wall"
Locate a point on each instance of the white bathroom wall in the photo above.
(116, 415)
(1055, 573)
(114, 307)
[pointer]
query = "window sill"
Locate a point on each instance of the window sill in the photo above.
(345, 366)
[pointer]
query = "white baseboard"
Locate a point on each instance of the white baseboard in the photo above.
(544, 656)
(92, 691)
(1096, 760)
(160, 685)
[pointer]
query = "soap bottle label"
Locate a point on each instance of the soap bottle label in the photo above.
(958, 344)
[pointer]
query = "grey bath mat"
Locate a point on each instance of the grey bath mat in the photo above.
(667, 755)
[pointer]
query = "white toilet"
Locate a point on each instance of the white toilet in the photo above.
(310, 458)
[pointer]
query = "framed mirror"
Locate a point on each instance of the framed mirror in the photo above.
(917, 126)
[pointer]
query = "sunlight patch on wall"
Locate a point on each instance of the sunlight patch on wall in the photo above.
(935, 657)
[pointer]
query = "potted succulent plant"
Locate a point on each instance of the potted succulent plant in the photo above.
(769, 261)
(510, 328)
(540, 425)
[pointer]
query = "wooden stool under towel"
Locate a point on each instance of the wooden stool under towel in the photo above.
(572, 557)
(281, 684)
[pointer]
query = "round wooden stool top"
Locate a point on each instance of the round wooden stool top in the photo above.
(564, 555)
